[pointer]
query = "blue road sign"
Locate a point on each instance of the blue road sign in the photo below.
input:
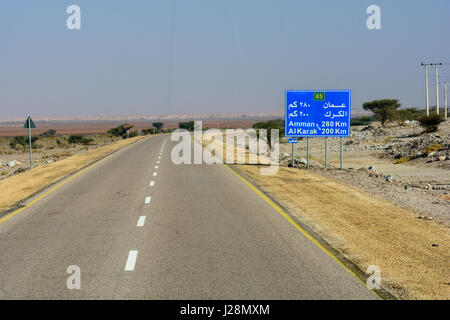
(292, 140)
(317, 113)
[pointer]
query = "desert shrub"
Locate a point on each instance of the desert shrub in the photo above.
(433, 148)
(362, 121)
(269, 125)
(408, 114)
(79, 140)
(120, 131)
(48, 133)
(431, 123)
(4, 173)
(134, 133)
(22, 141)
(60, 155)
(148, 131)
(402, 160)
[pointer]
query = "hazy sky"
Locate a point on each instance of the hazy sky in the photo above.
(186, 56)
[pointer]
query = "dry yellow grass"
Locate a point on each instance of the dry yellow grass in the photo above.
(366, 230)
(23, 185)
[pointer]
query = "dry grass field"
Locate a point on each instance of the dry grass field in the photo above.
(413, 254)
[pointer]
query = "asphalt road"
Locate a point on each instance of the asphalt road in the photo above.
(205, 235)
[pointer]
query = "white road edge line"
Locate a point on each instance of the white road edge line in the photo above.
(148, 199)
(141, 221)
(131, 261)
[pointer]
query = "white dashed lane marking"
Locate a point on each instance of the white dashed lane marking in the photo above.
(152, 183)
(141, 221)
(131, 261)
(155, 174)
(148, 199)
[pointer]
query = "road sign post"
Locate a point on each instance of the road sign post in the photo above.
(318, 113)
(341, 153)
(30, 124)
(292, 155)
(292, 141)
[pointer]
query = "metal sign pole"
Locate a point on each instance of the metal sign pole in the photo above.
(307, 152)
(326, 152)
(29, 142)
(342, 154)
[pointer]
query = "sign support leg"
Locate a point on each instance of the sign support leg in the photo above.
(326, 152)
(292, 155)
(342, 153)
(307, 152)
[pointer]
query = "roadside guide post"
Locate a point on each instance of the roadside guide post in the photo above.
(30, 124)
(318, 113)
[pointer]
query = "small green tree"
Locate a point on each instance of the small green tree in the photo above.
(431, 123)
(384, 110)
(158, 125)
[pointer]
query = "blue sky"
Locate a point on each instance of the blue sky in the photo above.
(162, 57)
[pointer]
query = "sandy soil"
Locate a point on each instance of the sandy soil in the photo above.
(413, 254)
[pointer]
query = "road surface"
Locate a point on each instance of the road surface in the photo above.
(140, 227)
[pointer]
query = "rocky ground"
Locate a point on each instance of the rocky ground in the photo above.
(16, 159)
(396, 163)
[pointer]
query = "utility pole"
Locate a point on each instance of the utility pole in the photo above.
(437, 86)
(426, 86)
(445, 98)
